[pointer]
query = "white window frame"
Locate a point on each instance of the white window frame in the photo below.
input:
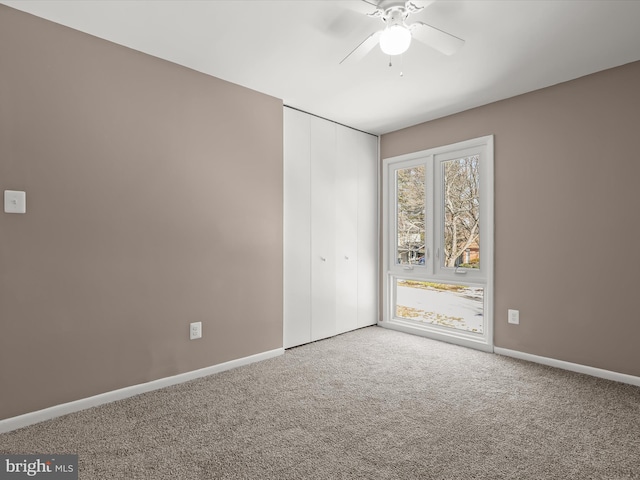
(432, 270)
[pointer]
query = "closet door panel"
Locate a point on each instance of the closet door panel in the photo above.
(347, 257)
(323, 261)
(368, 231)
(297, 229)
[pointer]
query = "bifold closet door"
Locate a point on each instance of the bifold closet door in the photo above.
(330, 228)
(297, 228)
(323, 258)
(346, 209)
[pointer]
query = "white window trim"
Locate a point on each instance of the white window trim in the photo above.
(391, 272)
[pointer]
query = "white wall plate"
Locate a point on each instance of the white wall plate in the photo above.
(15, 201)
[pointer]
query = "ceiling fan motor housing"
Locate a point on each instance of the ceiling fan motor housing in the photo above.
(389, 9)
(395, 16)
(385, 5)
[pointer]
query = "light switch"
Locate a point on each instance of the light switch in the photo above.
(15, 201)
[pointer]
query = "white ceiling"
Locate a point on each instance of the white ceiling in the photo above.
(291, 49)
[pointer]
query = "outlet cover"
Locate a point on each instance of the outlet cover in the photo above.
(514, 317)
(195, 330)
(15, 201)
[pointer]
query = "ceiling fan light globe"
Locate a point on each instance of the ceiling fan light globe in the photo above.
(395, 40)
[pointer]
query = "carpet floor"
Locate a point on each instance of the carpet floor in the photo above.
(370, 404)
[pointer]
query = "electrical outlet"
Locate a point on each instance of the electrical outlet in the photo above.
(15, 201)
(514, 317)
(195, 330)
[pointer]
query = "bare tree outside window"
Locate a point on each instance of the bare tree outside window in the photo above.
(462, 212)
(411, 215)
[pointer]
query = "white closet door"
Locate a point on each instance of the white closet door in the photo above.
(368, 231)
(323, 261)
(348, 145)
(297, 229)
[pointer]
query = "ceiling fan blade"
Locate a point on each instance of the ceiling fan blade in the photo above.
(421, 4)
(363, 7)
(370, 4)
(435, 38)
(341, 21)
(361, 50)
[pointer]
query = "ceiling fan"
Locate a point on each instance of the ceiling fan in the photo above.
(396, 37)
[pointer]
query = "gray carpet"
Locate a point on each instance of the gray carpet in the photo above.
(373, 404)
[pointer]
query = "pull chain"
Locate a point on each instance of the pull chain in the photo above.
(401, 64)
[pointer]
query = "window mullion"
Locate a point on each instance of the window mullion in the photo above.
(430, 222)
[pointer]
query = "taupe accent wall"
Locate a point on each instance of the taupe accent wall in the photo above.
(567, 214)
(154, 199)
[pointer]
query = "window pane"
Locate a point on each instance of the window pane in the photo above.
(410, 215)
(461, 213)
(453, 306)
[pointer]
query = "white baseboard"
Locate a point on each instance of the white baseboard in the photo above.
(58, 410)
(574, 367)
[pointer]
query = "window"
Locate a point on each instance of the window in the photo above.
(410, 215)
(461, 203)
(437, 241)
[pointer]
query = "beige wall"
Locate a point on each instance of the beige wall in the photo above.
(567, 172)
(154, 199)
